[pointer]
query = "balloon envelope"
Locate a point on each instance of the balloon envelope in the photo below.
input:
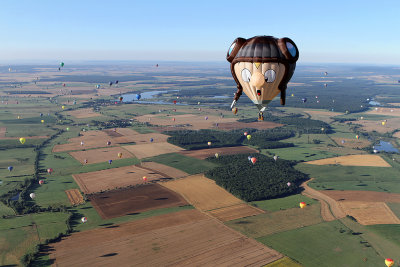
(84, 219)
(138, 96)
(10, 168)
(32, 195)
(253, 160)
(303, 205)
(41, 182)
(144, 178)
(151, 140)
(120, 155)
(248, 137)
(245, 134)
(49, 170)
(22, 140)
(209, 143)
(235, 110)
(389, 262)
(216, 155)
(110, 161)
(288, 184)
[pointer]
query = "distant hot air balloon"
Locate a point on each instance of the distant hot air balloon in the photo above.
(63, 107)
(98, 86)
(322, 129)
(288, 184)
(173, 119)
(138, 96)
(235, 110)
(248, 137)
(119, 155)
(67, 128)
(199, 109)
(383, 123)
(304, 100)
(249, 158)
(261, 67)
(326, 73)
(292, 94)
(253, 160)
(110, 83)
(156, 65)
(110, 161)
(49, 170)
(86, 161)
(325, 85)
(18, 117)
(63, 84)
(32, 195)
(357, 137)
(145, 178)
(116, 82)
(209, 143)
(174, 101)
(108, 143)
(216, 155)
(42, 121)
(245, 134)
(389, 262)
(22, 140)
(41, 182)
(303, 205)
(206, 118)
(120, 99)
(343, 141)
(10, 168)
(151, 140)
(275, 157)
(198, 103)
(83, 219)
(82, 143)
(41, 114)
(62, 64)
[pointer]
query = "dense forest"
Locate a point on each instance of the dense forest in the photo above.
(190, 139)
(265, 179)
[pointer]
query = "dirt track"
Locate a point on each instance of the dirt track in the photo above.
(368, 196)
(330, 209)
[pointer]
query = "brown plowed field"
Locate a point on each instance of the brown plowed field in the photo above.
(92, 182)
(74, 196)
(352, 143)
(203, 193)
(151, 150)
(164, 169)
(260, 125)
(186, 238)
(369, 213)
(134, 200)
(210, 152)
(83, 113)
(235, 212)
(100, 155)
(353, 160)
(143, 138)
(368, 196)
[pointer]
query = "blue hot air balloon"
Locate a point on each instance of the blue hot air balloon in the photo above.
(304, 100)
(10, 168)
(151, 140)
(110, 161)
(138, 96)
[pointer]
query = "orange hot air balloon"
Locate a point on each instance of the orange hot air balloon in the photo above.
(303, 205)
(173, 119)
(389, 262)
(119, 155)
(235, 110)
(357, 137)
(145, 178)
(253, 160)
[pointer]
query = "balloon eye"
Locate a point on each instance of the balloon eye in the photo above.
(246, 75)
(231, 49)
(291, 49)
(269, 76)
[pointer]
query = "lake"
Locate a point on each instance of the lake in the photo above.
(385, 147)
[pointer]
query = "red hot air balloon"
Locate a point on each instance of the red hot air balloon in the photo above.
(144, 178)
(41, 182)
(49, 170)
(253, 160)
(174, 101)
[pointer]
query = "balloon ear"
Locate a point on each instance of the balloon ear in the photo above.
(288, 49)
(234, 48)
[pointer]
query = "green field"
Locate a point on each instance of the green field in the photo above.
(283, 203)
(328, 177)
(324, 244)
(395, 207)
(21, 234)
(183, 163)
(278, 221)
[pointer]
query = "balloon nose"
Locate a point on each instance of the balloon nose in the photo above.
(257, 80)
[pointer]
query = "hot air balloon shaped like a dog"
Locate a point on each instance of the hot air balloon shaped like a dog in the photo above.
(262, 66)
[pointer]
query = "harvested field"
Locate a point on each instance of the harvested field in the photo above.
(100, 155)
(3, 131)
(143, 138)
(97, 181)
(151, 150)
(235, 212)
(190, 121)
(135, 200)
(83, 113)
(164, 169)
(352, 143)
(210, 152)
(259, 125)
(367, 196)
(369, 213)
(325, 116)
(75, 197)
(203, 193)
(353, 160)
(385, 111)
(186, 238)
(369, 126)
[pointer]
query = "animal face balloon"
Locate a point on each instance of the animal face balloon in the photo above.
(262, 66)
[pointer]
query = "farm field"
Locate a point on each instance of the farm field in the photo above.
(83, 113)
(134, 200)
(97, 181)
(210, 152)
(263, 125)
(100, 155)
(362, 196)
(352, 143)
(185, 238)
(353, 160)
(151, 150)
(369, 213)
(75, 197)
(164, 169)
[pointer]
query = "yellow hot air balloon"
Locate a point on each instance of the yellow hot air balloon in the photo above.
(63, 107)
(389, 262)
(235, 110)
(119, 155)
(216, 155)
(303, 205)
(22, 140)
(248, 137)
(18, 117)
(383, 123)
(262, 66)
(42, 121)
(292, 94)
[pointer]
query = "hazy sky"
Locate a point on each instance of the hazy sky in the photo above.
(349, 31)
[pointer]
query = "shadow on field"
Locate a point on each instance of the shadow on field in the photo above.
(40, 257)
(109, 255)
(112, 226)
(106, 224)
(86, 208)
(133, 213)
